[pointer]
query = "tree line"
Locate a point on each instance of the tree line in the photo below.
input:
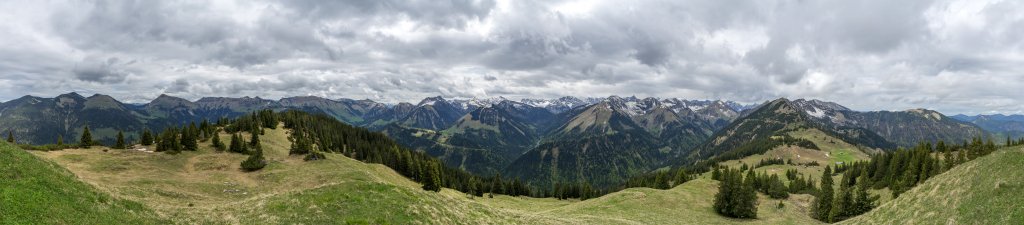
(899, 171)
(315, 134)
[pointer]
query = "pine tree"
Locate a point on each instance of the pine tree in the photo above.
(120, 141)
(188, 138)
(300, 143)
(255, 139)
(10, 137)
(236, 144)
(680, 178)
(147, 137)
(432, 181)
(776, 189)
(255, 161)
(863, 202)
(215, 141)
(823, 202)
(747, 207)
(86, 140)
(723, 199)
(716, 174)
(841, 203)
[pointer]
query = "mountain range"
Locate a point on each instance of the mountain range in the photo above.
(1011, 126)
(602, 141)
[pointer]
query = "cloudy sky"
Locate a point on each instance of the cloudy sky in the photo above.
(954, 56)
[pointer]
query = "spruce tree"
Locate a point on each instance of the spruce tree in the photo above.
(60, 140)
(747, 196)
(842, 202)
(823, 202)
(10, 137)
(86, 140)
(862, 203)
(723, 199)
(432, 181)
(680, 178)
(215, 141)
(255, 161)
(236, 144)
(255, 139)
(776, 189)
(147, 137)
(120, 141)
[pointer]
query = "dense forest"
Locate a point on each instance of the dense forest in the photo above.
(313, 135)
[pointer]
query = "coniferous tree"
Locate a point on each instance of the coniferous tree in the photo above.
(255, 138)
(776, 189)
(10, 137)
(255, 161)
(736, 196)
(60, 140)
(863, 202)
(237, 146)
(119, 144)
(747, 205)
(215, 141)
(724, 203)
(432, 181)
(300, 143)
(823, 202)
(86, 140)
(147, 137)
(841, 202)
(188, 138)
(680, 178)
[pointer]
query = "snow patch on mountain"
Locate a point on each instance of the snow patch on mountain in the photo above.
(815, 112)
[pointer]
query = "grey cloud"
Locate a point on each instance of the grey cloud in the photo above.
(451, 13)
(871, 54)
(107, 70)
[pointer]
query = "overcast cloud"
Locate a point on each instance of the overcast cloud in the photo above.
(954, 56)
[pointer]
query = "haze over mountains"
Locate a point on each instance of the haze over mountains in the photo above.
(543, 141)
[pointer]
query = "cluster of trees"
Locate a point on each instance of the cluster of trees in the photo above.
(312, 133)
(905, 168)
(769, 162)
(799, 184)
(581, 190)
(302, 141)
(899, 171)
(662, 179)
(1009, 141)
(852, 199)
(771, 185)
(737, 195)
(756, 146)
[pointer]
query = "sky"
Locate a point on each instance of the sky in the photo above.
(959, 56)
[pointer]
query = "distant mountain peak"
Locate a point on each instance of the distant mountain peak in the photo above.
(431, 100)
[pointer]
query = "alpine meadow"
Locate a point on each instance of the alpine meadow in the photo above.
(512, 112)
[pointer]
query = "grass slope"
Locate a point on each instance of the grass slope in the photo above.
(833, 150)
(689, 203)
(206, 187)
(987, 190)
(33, 191)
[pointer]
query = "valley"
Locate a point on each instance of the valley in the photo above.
(206, 187)
(601, 145)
